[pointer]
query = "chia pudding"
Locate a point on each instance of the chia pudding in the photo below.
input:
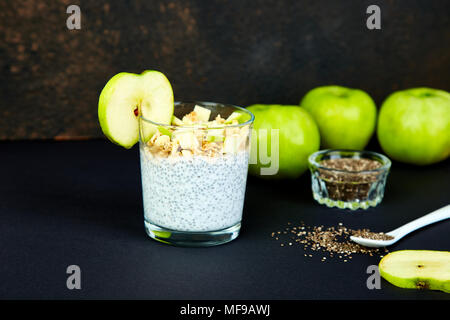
(194, 194)
(194, 173)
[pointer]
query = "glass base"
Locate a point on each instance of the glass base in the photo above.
(352, 205)
(192, 239)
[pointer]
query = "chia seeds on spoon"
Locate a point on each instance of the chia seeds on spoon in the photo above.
(367, 234)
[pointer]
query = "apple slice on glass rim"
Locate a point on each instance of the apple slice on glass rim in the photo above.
(127, 96)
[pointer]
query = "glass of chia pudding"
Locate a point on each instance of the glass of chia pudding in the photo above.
(194, 173)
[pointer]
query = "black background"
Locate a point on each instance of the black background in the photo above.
(80, 203)
(229, 51)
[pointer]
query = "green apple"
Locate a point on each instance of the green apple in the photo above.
(298, 137)
(414, 126)
(125, 97)
(346, 117)
(417, 269)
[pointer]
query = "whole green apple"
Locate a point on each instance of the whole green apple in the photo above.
(414, 126)
(346, 117)
(287, 135)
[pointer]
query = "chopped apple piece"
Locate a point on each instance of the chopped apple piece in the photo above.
(239, 116)
(187, 139)
(215, 135)
(229, 131)
(165, 131)
(176, 121)
(234, 116)
(202, 113)
(231, 144)
(215, 138)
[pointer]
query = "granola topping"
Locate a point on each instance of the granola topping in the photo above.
(196, 135)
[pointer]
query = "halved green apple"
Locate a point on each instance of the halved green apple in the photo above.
(125, 97)
(417, 269)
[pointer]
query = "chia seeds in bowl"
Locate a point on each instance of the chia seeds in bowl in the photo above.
(348, 179)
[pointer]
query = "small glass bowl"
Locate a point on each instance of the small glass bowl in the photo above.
(348, 184)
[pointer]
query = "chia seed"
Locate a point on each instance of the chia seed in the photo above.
(332, 240)
(348, 179)
(366, 233)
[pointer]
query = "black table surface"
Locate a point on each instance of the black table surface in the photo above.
(80, 203)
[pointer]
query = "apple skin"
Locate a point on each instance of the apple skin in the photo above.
(346, 117)
(298, 138)
(414, 126)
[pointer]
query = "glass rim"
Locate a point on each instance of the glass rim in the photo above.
(385, 161)
(200, 127)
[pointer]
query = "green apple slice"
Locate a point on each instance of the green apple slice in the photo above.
(125, 97)
(417, 269)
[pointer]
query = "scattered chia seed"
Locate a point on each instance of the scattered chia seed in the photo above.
(332, 240)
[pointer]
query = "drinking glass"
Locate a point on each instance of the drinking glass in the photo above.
(193, 183)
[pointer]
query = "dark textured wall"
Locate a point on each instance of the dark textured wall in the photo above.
(239, 52)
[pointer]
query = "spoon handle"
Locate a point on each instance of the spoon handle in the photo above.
(435, 216)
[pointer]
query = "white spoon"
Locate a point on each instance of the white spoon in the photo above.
(435, 216)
